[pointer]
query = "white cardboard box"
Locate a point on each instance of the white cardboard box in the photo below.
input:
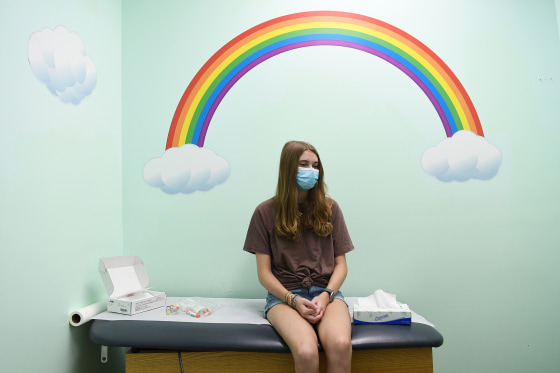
(366, 315)
(126, 281)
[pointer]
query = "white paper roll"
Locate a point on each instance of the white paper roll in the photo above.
(83, 315)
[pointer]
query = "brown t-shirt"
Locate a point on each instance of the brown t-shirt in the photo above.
(303, 263)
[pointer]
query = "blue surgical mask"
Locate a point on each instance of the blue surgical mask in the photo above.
(307, 178)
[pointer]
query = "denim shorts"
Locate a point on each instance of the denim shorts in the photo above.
(309, 294)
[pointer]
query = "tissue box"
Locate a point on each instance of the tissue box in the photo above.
(367, 315)
(126, 281)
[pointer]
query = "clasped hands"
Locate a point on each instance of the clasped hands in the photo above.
(313, 310)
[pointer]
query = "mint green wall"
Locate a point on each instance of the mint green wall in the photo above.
(60, 188)
(477, 258)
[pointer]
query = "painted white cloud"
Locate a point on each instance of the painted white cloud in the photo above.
(461, 157)
(58, 59)
(186, 169)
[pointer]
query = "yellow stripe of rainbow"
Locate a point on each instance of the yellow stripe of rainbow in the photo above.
(231, 62)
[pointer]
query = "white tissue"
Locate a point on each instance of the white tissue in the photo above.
(381, 300)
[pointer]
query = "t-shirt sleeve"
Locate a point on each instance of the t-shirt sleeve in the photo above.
(258, 236)
(341, 238)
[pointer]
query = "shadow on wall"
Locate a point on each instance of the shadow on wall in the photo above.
(86, 355)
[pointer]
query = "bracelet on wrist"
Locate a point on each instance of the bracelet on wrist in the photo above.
(295, 302)
(290, 299)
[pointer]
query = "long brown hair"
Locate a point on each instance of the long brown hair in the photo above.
(290, 221)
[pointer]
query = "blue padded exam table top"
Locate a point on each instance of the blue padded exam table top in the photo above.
(246, 337)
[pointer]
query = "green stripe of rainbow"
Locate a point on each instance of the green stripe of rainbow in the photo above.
(211, 83)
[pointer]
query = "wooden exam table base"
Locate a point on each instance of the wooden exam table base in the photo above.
(400, 360)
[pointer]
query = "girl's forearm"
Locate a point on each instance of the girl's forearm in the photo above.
(339, 273)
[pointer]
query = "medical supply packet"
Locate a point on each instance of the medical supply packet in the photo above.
(190, 307)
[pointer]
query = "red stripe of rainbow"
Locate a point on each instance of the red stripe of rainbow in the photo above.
(213, 81)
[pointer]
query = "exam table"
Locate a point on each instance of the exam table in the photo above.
(163, 345)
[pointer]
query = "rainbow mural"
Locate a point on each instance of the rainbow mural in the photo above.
(217, 76)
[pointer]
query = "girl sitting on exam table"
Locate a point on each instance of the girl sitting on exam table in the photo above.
(300, 240)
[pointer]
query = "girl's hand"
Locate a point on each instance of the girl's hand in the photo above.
(321, 302)
(309, 310)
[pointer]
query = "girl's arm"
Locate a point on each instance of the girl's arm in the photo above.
(267, 278)
(335, 283)
(339, 273)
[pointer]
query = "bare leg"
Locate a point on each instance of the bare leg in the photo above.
(299, 335)
(335, 333)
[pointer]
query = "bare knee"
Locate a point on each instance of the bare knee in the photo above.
(306, 357)
(338, 345)
(338, 351)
